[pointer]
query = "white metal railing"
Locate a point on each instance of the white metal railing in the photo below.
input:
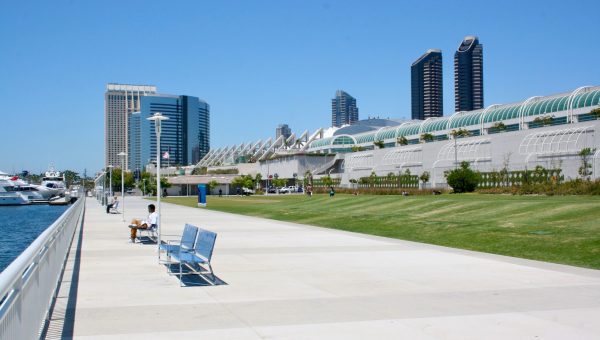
(28, 284)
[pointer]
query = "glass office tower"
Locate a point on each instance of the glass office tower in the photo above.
(343, 109)
(185, 136)
(120, 100)
(427, 96)
(468, 75)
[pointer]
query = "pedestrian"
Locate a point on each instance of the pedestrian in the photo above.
(165, 192)
(150, 221)
(238, 191)
(331, 192)
(220, 192)
(111, 204)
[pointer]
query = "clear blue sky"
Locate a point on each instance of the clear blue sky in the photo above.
(261, 63)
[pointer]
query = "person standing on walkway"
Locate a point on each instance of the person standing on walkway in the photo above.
(151, 221)
(331, 192)
(220, 192)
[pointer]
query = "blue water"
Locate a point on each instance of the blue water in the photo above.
(20, 225)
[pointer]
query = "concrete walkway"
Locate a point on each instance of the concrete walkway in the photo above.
(290, 281)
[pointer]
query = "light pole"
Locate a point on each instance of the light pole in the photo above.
(158, 118)
(110, 193)
(122, 156)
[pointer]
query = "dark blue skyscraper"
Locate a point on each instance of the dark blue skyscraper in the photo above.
(427, 96)
(343, 109)
(134, 140)
(468, 75)
(185, 135)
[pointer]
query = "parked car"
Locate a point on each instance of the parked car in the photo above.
(272, 190)
(284, 190)
(247, 191)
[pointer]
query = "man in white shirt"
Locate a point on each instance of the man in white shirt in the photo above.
(151, 220)
(111, 204)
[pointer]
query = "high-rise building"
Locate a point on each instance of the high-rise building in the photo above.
(120, 100)
(134, 141)
(185, 135)
(283, 130)
(468, 75)
(427, 96)
(343, 109)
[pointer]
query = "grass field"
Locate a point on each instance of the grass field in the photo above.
(556, 229)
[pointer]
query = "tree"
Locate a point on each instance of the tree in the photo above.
(308, 178)
(279, 182)
(544, 120)
(424, 177)
(463, 179)
(199, 171)
(356, 148)
(596, 112)
(327, 181)
(372, 179)
(426, 137)
(402, 140)
(379, 143)
(505, 166)
(148, 183)
(258, 179)
(585, 169)
(71, 177)
(244, 181)
(499, 126)
(460, 133)
(211, 185)
(116, 181)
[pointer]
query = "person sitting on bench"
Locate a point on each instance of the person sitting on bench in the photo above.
(109, 206)
(136, 224)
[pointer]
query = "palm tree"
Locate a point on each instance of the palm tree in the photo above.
(455, 135)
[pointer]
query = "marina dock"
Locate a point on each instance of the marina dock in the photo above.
(281, 280)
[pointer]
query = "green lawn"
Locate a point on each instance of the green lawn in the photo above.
(562, 229)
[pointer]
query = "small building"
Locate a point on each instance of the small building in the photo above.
(188, 185)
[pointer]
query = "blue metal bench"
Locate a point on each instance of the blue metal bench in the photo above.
(196, 260)
(186, 243)
(150, 231)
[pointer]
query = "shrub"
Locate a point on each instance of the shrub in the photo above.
(463, 179)
(402, 140)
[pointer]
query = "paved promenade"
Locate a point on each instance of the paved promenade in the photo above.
(290, 281)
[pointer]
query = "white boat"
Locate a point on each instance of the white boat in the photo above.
(9, 195)
(54, 182)
(31, 191)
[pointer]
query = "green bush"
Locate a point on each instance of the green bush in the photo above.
(463, 179)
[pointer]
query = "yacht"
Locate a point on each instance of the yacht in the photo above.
(54, 181)
(9, 194)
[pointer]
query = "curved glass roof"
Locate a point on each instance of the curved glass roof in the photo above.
(344, 139)
(591, 98)
(502, 113)
(387, 133)
(543, 106)
(365, 138)
(320, 142)
(432, 125)
(408, 129)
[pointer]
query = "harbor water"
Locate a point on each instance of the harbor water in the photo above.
(20, 225)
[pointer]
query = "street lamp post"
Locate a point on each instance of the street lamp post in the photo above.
(122, 156)
(110, 193)
(158, 118)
